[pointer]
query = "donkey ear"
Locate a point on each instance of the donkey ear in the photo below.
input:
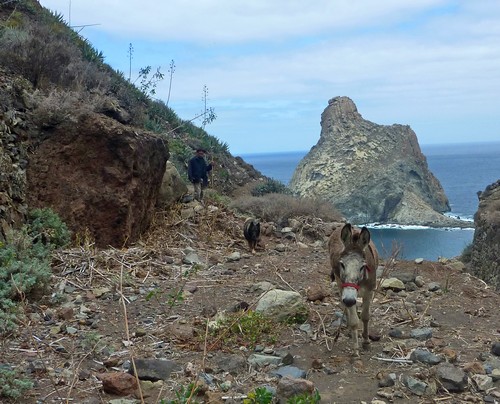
(364, 237)
(346, 234)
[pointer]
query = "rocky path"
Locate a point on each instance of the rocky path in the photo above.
(183, 304)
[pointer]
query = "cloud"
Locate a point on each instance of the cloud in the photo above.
(230, 21)
(272, 66)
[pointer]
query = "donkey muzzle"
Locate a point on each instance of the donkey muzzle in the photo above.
(349, 295)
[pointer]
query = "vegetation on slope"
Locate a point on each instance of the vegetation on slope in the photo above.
(63, 76)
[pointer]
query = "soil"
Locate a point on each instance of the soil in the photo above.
(79, 329)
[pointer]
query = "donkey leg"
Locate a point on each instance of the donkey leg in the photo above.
(352, 325)
(365, 316)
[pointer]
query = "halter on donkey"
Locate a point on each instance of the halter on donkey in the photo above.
(354, 261)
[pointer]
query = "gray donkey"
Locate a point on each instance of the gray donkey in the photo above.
(354, 261)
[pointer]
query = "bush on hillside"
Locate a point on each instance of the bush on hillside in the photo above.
(70, 78)
(271, 186)
(279, 208)
(46, 226)
(12, 385)
(25, 262)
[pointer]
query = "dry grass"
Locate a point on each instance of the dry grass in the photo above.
(279, 208)
(58, 106)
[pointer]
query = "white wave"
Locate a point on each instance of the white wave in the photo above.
(463, 218)
(395, 226)
(412, 227)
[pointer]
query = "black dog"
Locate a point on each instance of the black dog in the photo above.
(251, 231)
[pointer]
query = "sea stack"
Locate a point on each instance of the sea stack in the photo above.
(370, 172)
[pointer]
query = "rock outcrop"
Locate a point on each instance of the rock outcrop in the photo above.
(99, 176)
(485, 259)
(13, 207)
(172, 187)
(371, 172)
(13, 154)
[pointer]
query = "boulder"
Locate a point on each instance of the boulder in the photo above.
(99, 176)
(281, 305)
(172, 189)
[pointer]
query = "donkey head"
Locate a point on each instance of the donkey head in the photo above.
(352, 266)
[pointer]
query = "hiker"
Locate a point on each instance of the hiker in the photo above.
(197, 173)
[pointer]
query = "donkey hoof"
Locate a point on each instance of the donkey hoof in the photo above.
(366, 345)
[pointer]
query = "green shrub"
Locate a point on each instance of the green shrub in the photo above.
(47, 226)
(271, 186)
(11, 385)
(25, 262)
(213, 197)
(305, 398)
(184, 395)
(245, 329)
(466, 255)
(24, 266)
(260, 396)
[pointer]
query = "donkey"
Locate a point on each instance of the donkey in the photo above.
(354, 261)
(251, 231)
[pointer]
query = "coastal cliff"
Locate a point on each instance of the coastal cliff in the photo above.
(371, 172)
(486, 243)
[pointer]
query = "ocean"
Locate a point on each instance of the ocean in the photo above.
(462, 169)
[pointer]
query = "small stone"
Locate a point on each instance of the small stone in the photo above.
(421, 334)
(450, 355)
(416, 386)
(421, 355)
(392, 283)
(419, 281)
(121, 384)
(451, 377)
(65, 313)
(386, 379)
(290, 371)
(474, 368)
(280, 247)
(99, 292)
(434, 287)
(495, 348)
(483, 382)
(315, 292)
(317, 363)
(289, 387)
(235, 256)
(396, 333)
(140, 332)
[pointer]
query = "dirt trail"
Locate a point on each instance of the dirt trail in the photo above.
(79, 331)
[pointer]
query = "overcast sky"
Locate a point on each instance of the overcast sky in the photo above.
(271, 66)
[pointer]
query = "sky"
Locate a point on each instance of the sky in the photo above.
(270, 67)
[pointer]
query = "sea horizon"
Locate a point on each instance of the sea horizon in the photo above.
(422, 146)
(463, 169)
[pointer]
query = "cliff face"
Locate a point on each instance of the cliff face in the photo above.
(370, 172)
(485, 260)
